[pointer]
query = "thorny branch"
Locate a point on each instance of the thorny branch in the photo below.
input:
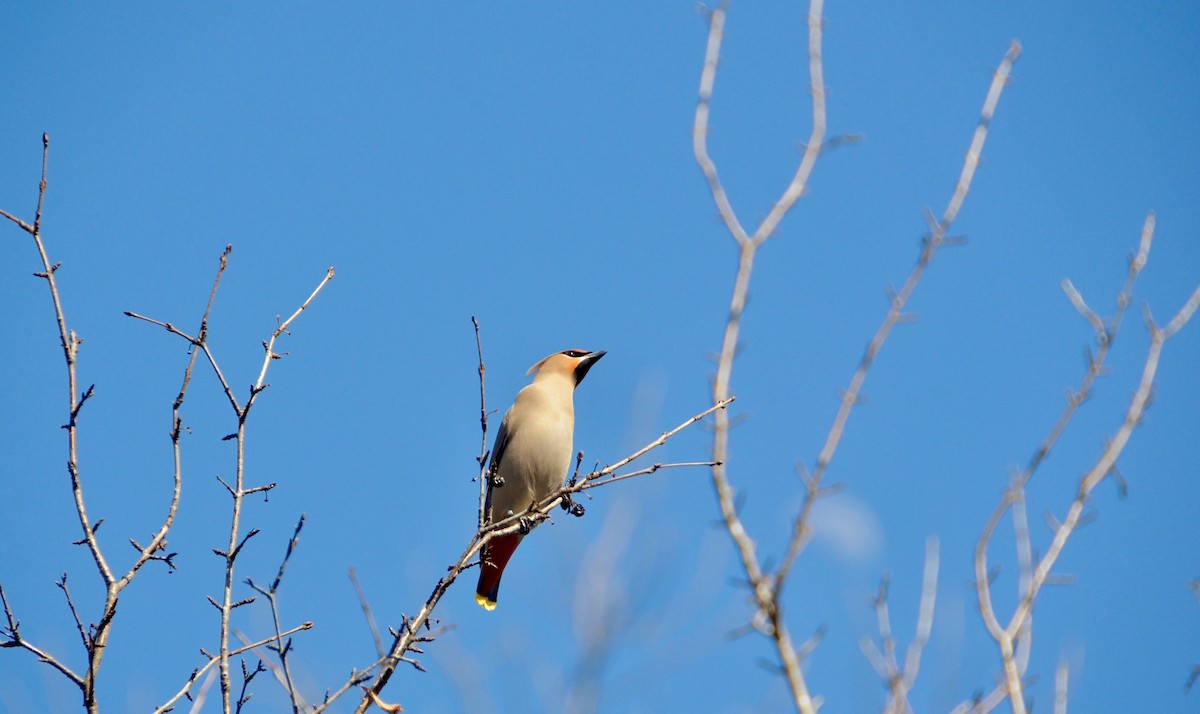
(766, 586)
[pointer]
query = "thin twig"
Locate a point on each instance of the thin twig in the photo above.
(648, 470)
(13, 638)
(278, 673)
(280, 648)
(929, 248)
(1060, 688)
(366, 608)
(212, 660)
(900, 680)
(483, 424)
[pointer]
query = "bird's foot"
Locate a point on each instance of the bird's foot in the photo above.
(570, 506)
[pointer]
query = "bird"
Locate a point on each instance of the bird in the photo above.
(531, 456)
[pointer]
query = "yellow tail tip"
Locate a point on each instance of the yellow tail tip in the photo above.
(485, 603)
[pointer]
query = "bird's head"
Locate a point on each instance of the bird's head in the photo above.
(570, 363)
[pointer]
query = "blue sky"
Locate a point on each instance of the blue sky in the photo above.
(531, 164)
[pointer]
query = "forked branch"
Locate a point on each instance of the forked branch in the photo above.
(766, 586)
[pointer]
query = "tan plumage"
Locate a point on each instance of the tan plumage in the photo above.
(532, 454)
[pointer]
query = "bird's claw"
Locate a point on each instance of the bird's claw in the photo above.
(570, 506)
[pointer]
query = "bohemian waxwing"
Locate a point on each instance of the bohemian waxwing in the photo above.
(532, 455)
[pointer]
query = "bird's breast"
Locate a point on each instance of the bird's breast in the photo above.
(536, 458)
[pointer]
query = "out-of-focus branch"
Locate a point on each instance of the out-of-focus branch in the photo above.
(1194, 586)
(1013, 638)
(1011, 635)
(1105, 333)
(899, 680)
(415, 629)
(366, 608)
(766, 586)
(765, 600)
(939, 230)
(1060, 688)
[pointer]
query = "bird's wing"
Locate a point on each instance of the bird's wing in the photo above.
(502, 436)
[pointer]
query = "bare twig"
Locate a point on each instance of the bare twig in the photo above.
(642, 472)
(899, 680)
(1060, 688)
(213, 660)
(281, 648)
(12, 638)
(935, 240)
(366, 608)
(240, 491)
(277, 672)
(483, 424)
(357, 678)
(912, 658)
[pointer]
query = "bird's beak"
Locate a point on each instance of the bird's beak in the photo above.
(586, 363)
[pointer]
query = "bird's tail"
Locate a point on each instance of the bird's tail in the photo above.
(495, 557)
